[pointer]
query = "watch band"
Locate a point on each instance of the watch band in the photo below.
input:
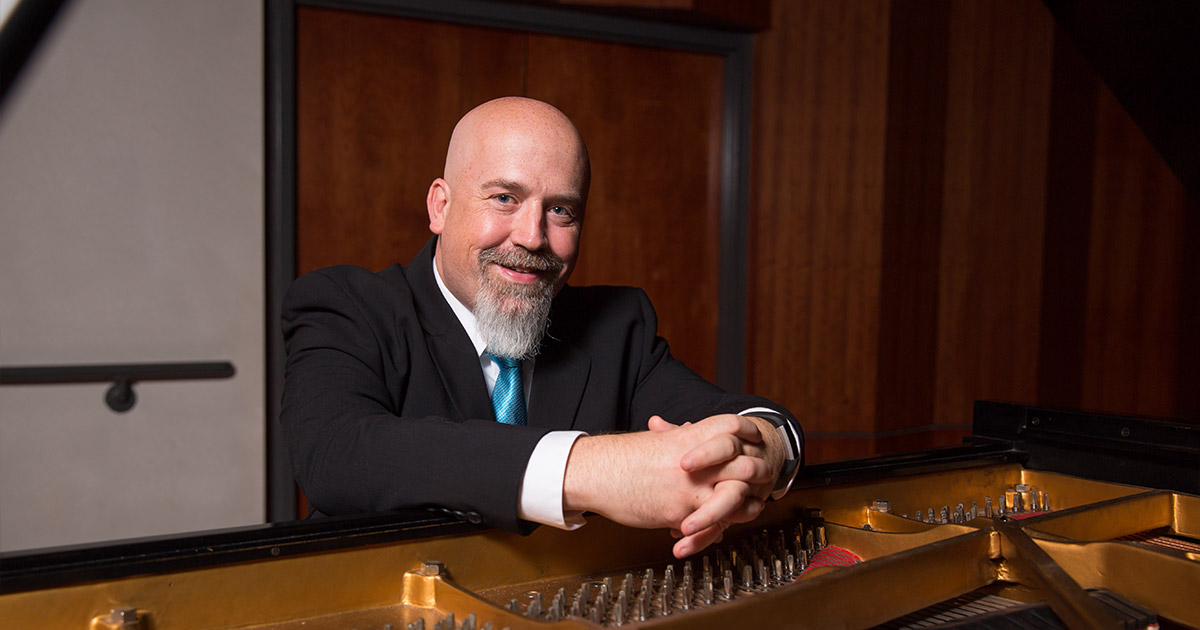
(791, 465)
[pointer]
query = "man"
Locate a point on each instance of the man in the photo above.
(475, 380)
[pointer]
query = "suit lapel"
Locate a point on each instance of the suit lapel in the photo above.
(459, 368)
(449, 346)
(559, 378)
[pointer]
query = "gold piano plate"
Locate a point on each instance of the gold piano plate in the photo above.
(904, 565)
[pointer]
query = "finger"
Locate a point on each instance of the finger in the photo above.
(749, 510)
(743, 427)
(695, 543)
(656, 423)
(752, 470)
(716, 450)
(675, 533)
(726, 498)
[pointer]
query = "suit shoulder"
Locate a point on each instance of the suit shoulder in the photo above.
(603, 297)
(351, 277)
(602, 307)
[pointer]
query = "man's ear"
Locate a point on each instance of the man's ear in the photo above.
(436, 202)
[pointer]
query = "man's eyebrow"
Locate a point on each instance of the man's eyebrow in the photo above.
(506, 184)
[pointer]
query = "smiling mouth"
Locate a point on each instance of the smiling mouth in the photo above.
(523, 275)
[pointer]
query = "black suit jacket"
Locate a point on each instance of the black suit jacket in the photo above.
(385, 406)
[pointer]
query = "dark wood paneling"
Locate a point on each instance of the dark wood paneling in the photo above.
(377, 98)
(1069, 187)
(653, 217)
(816, 213)
(1187, 374)
(912, 207)
(1026, 243)
(1135, 273)
(993, 214)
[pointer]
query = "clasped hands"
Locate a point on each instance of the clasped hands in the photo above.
(696, 478)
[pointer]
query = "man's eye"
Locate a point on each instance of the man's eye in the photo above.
(504, 198)
(560, 210)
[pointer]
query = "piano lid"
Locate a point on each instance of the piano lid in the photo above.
(1148, 54)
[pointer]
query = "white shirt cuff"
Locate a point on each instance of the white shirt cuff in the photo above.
(541, 497)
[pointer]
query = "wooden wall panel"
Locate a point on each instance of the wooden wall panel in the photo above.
(377, 98)
(918, 59)
(816, 216)
(993, 215)
(653, 217)
(1135, 269)
(1026, 244)
(1070, 170)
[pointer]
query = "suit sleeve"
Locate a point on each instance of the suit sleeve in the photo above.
(355, 354)
(668, 388)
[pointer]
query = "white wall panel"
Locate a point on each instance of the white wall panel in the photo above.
(131, 200)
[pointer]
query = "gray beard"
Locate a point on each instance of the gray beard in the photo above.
(512, 318)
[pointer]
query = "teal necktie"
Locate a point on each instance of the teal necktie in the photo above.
(508, 396)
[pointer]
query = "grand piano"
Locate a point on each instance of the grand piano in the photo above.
(1042, 518)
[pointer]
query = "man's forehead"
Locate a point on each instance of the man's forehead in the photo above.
(495, 139)
(527, 164)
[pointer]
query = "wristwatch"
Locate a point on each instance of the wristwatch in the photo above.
(793, 442)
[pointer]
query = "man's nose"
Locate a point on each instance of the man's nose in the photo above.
(529, 227)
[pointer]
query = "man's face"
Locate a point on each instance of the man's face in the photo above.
(509, 217)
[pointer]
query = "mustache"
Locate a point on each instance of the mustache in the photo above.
(521, 257)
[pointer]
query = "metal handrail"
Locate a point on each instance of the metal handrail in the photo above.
(120, 397)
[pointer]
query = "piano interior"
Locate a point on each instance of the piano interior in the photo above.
(956, 546)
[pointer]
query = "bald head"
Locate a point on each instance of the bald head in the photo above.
(509, 211)
(516, 124)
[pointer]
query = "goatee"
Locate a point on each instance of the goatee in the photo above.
(513, 317)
